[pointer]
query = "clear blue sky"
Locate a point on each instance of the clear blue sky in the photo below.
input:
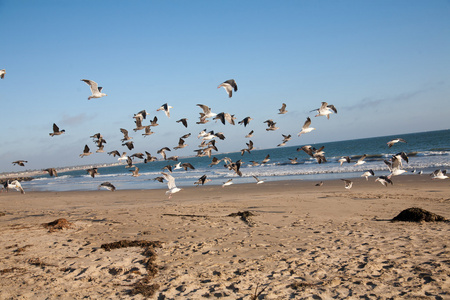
(385, 65)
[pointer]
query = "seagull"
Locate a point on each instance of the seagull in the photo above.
(228, 182)
(142, 113)
(306, 128)
(202, 180)
(283, 109)
(318, 154)
(249, 135)
(138, 122)
(325, 110)
(319, 184)
(439, 174)
(384, 180)
(114, 153)
(206, 111)
(107, 185)
(166, 108)
(394, 167)
(271, 125)
(171, 185)
(344, 159)
(168, 168)
(2, 73)
(129, 162)
(293, 160)
(183, 121)
(123, 156)
(181, 144)
(225, 117)
(266, 159)
(286, 138)
(125, 135)
(92, 172)
(394, 141)
(254, 163)
(97, 136)
(361, 160)
(257, 180)
(235, 166)
(85, 152)
(215, 161)
(137, 155)
(245, 121)
(160, 179)
(162, 151)
(147, 131)
(129, 145)
(13, 185)
(56, 130)
(154, 122)
(186, 166)
(229, 86)
(135, 172)
(149, 158)
(95, 89)
(52, 172)
(367, 174)
(173, 158)
(348, 183)
(100, 146)
(19, 162)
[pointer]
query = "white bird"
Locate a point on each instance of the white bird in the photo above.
(227, 183)
(107, 185)
(2, 73)
(258, 181)
(170, 184)
(13, 185)
(325, 110)
(367, 174)
(229, 86)
(344, 159)
(395, 165)
(394, 141)
(361, 160)
(166, 108)
(206, 111)
(306, 128)
(95, 89)
(348, 183)
(439, 174)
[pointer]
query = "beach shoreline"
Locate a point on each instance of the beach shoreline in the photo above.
(302, 241)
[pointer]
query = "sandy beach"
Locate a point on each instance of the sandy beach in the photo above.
(300, 241)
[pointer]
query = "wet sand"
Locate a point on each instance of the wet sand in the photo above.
(299, 242)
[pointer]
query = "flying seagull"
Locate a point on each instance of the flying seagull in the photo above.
(171, 185)
(19, 162)
(258, 181)
(394, 141)
(95, 89)
(13, 185)
(166, 108)
(52, 172)
(206, 111)
(439, 174)
(228, 182)
(367, 174)
(283, 109)
(56, 130)
(85, 152)
(181, 144)
(249, 135)
(344, 159)
(183, 121)
(229, 86)
(306, 128)
(125, 135)
(202, 180)
(92, 172)
(2, 73)
(325, 110)
(361, 160)
(245, 121)
(162, 151)
(384, 180)
(348, 183)
(135, 172)
(107, 185)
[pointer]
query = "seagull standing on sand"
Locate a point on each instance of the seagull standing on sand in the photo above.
(166, 108)
(394, 141)
(95, 89)
(306, 128)
(107, 185)
(229, 86)
(171, 185)
(56, 130)
(325, 110)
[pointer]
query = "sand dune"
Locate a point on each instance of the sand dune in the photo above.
(301, 242)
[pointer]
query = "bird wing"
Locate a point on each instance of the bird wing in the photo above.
(307, 123)
(92, 84)
(170, 180)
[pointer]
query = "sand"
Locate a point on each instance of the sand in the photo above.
(299, 242)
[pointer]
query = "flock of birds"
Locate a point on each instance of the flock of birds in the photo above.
(208, 145)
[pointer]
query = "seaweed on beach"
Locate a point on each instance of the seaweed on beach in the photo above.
(416, 214)
(245, 216)
(142, 286)
(58, 224)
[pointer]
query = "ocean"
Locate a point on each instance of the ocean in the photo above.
(427, 151)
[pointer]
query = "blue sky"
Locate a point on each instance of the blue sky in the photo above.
(385, 65)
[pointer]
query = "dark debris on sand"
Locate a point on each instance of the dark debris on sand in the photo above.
(58, 224)
(142, 286)
(416, 214)
(245, 216)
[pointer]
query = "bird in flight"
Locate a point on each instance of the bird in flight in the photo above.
(229, 86)
(95, 89)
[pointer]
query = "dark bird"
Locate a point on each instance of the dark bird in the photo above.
(249, 135)
(186, 136)
(181, 144)
(52, 172)
(186, 166)
(202, 180)
(319, 184)
(160, 179)
(95, 89)
(137, 155)
(129, 145)
(147, 130)
(183, 121)
(125, 135)
(19, 162)
(283, 109)
(225, 117)
(168, 168)
(215, 161)
(162, 151)
(348, 183)
(149, 157)
(114, 153)
(384, 180)
(271, 125)
(138, 122)
(86, 152)
(135, 172)
(92, 172)
(108, 186)
(266, 160)
(245, 121)
(175, 158)
(229, 86)
(394, 141)
(142, 113)
(318, 154)
(154, 122)
(56, 130)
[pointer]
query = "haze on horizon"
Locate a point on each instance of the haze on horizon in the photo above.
(384, 65)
